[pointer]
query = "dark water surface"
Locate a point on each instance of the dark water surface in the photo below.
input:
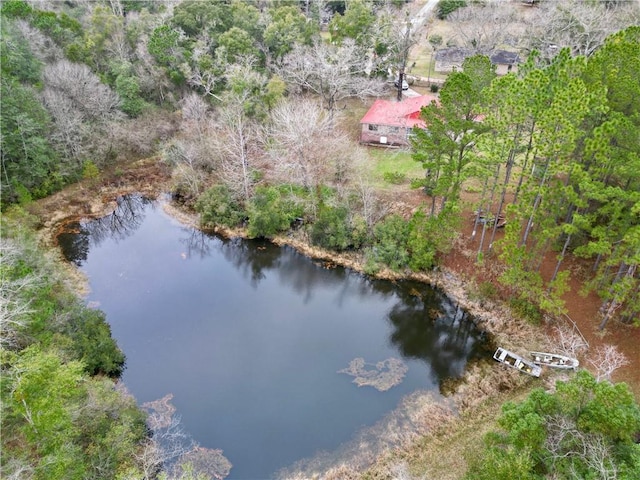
(249, 337)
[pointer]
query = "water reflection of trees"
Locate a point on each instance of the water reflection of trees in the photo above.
(197, 242)
(430, 327)
(74, 243)
(78, 237)
(124, 221)
(251, 258)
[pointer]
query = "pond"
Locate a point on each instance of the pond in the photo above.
(260, 346)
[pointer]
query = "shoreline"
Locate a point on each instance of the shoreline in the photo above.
(481, 385)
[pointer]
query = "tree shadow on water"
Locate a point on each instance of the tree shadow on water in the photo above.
(77, 238)
(430, 327)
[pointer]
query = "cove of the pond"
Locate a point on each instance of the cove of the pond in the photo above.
(249, 338)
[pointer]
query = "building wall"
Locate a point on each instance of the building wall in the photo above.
(445, 66)
(372, 133)
(504, 69)
(448, 67)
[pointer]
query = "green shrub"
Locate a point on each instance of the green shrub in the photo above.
(417, 183)
(390, 245)
(526, 310)
(128, 89)
(420, 244)
(445, 7)
(563, 433)
(15, 9)
(56, 419)
(487, 290)
(217, 206)
(336, 230)
(90, 171)
(92, 342)
(331, 228)
(22, 194)
(396, 178)
(360, 234)
(271, 212)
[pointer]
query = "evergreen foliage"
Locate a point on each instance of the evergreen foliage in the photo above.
(390, 243)
(29, 161)
(356, 23)
(562, 138)
(270, 212)
(585, 429)
(217, 206)
(445, 7)
(332, 229)
(59, 420)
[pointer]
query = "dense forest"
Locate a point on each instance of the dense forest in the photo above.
(243, 100)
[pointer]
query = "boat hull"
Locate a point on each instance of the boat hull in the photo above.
(516, 362)
(554, 360)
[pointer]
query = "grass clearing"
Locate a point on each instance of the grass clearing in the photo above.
(349, 112)
(388, 161)
(422, 62)
(422, 55)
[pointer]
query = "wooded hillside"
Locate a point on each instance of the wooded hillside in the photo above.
(244, 101)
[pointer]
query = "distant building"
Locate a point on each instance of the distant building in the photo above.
(390, 122)
(450, 59)
(504, 61)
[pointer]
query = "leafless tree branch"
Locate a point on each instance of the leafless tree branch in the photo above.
(606, 359)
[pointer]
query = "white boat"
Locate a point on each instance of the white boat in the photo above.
(554, 360)
(516, 361)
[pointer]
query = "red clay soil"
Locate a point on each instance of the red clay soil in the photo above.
(583, 310)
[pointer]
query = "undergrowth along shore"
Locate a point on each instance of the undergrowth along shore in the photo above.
(474, 401)
(477, 395)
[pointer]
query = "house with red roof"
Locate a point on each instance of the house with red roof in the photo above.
(390, 123)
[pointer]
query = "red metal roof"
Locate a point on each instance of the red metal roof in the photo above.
(398, 114)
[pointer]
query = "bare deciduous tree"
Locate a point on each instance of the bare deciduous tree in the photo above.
(484, 28)
(606, 359)
(237, 146)
(203, 462)
(199, 76)
(566, 440)
(41, 45)
(398, 37)
(238, 143)
(70, 130)
(116, 7)
(141, 136)
(194, 108)
(82, 88)
(581, 26)
(304, 143)
(569, 342)
(332, 72)
(15, 304)
(371, 207)
(187, 161)
(17, 469)
(171, 449)
(82, 108)
(152, 79)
